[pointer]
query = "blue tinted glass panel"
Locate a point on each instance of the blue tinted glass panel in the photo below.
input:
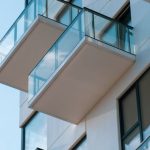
(36, 133)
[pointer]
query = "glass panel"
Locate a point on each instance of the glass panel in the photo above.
(8, 42)
(77, 2)
(36, 133)
(76, 32)
(20, 27)
(41, 6)
(27, 17)
(129, 110)
(105, 30)
(30, 14)
(144, 86)
(132, 141)
(74, 12)
(56, 56)
(66, 16)
(42, 72)
(108, 31)
(145, 145)
(123, 37)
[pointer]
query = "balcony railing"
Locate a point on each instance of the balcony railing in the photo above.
(87, 23)
(145, 145)
(28, 16)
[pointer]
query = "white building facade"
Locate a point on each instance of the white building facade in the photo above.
(84, 73)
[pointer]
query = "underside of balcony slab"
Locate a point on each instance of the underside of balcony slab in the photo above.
(78, 84)
(28, 51)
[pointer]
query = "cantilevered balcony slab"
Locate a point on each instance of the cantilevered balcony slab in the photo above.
(82, 80)
(32, 46)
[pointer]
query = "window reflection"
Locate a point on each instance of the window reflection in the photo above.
(35, 133)
(133, 140)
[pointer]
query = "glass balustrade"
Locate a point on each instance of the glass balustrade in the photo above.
(109, 31)
(87, 23)
(47, 8)
(56, 55)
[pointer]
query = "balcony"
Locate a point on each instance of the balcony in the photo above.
(145, 145)
(27, 40)
(81, 66)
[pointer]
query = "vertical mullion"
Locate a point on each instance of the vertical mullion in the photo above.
(35, 9)
(121, 123)
(93, 25)
(70, 13)
(129, 43)
(56, 56)
(139, 111)
(23, 138)
(46, 8)
(15, 33)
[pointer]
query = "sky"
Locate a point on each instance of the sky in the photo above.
(10, 133)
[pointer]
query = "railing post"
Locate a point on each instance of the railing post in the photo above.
(129, 44)
(46, 8)
(15, 33)
(56, 56)
(93, 25)
(35, 8)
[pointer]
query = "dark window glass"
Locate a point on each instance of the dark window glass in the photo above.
(144, 88)
(129, 110)
(135, 112)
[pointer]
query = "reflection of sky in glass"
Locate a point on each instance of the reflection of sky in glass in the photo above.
(134, 143)
(147, 132)
(36, 133)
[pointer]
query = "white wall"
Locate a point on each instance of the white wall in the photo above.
(140, 11)
(25, 112)
(107, 7)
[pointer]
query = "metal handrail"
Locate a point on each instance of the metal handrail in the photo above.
(97, 13)
(15, 22)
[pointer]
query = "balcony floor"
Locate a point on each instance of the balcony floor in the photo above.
(88, 73)
(28, 51)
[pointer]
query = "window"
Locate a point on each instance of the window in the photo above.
(134, 113)
(35, 134)
(82, 145)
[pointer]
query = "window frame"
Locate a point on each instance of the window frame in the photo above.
(23, 141)
(139, 123)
